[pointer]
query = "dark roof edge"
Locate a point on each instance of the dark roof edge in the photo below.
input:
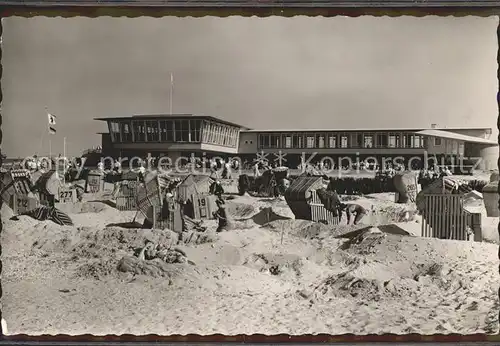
(153, 116)
(369, 130)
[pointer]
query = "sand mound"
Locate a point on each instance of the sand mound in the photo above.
(364, 242)
(97, 270)
(308, 229)
(240, 210)
(94, 243)
(439, 275)
(155, 268)
(358, 277)
(293, 268)
(373, 280)
(274, 263)
(82, 207)
(390, 214)
(346, 285)
(194, 237)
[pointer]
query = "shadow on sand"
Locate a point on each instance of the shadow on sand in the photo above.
(107, 202)
(128, 225)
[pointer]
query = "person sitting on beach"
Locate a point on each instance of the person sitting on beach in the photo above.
(355, 209)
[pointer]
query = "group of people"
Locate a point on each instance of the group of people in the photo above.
(35, 163)
(435, 172)
(226, 168)
(427, 176)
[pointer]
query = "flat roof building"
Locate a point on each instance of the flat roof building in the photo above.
(173, 135)
(184, 134)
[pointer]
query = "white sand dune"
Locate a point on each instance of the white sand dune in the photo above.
(275, 276)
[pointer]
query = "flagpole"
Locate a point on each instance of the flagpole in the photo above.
(43, 135)
(64, 158)
(171, 90)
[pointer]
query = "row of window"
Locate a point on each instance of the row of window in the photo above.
(156, 131)
(219, 134)
(344, 140)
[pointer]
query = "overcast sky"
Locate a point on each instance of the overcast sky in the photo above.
(276, 72)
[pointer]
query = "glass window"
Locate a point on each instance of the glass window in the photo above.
(310, 141)
(448, 146)
(181, 128)
(407, 141)
(274, 140)
(232, 136)
(368, 141)
(226, 136)
(204, 136)
(192, 128)
(398, 140)
(344, 141)
(211, 133)
(126, 132)
(392, 140)
(166, 131)
(297, 140)
(424, 142)
(139, 131)
(332, 141)
(382, 140)
(266, 141)
(437, 141)
(461, 150)
(320, 140)
(152, 131)
(218, 134)
(223, 135)
(288, 141)
(195, 130)
(357, 140)
(178, 130)
(418, 142)
(114, 129)
(236, 137)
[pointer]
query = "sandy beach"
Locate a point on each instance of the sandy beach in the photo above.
(271, 275)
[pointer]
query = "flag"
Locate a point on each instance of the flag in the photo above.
(52, 123)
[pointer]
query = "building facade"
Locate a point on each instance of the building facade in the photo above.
(174, 136)
(185, 135)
